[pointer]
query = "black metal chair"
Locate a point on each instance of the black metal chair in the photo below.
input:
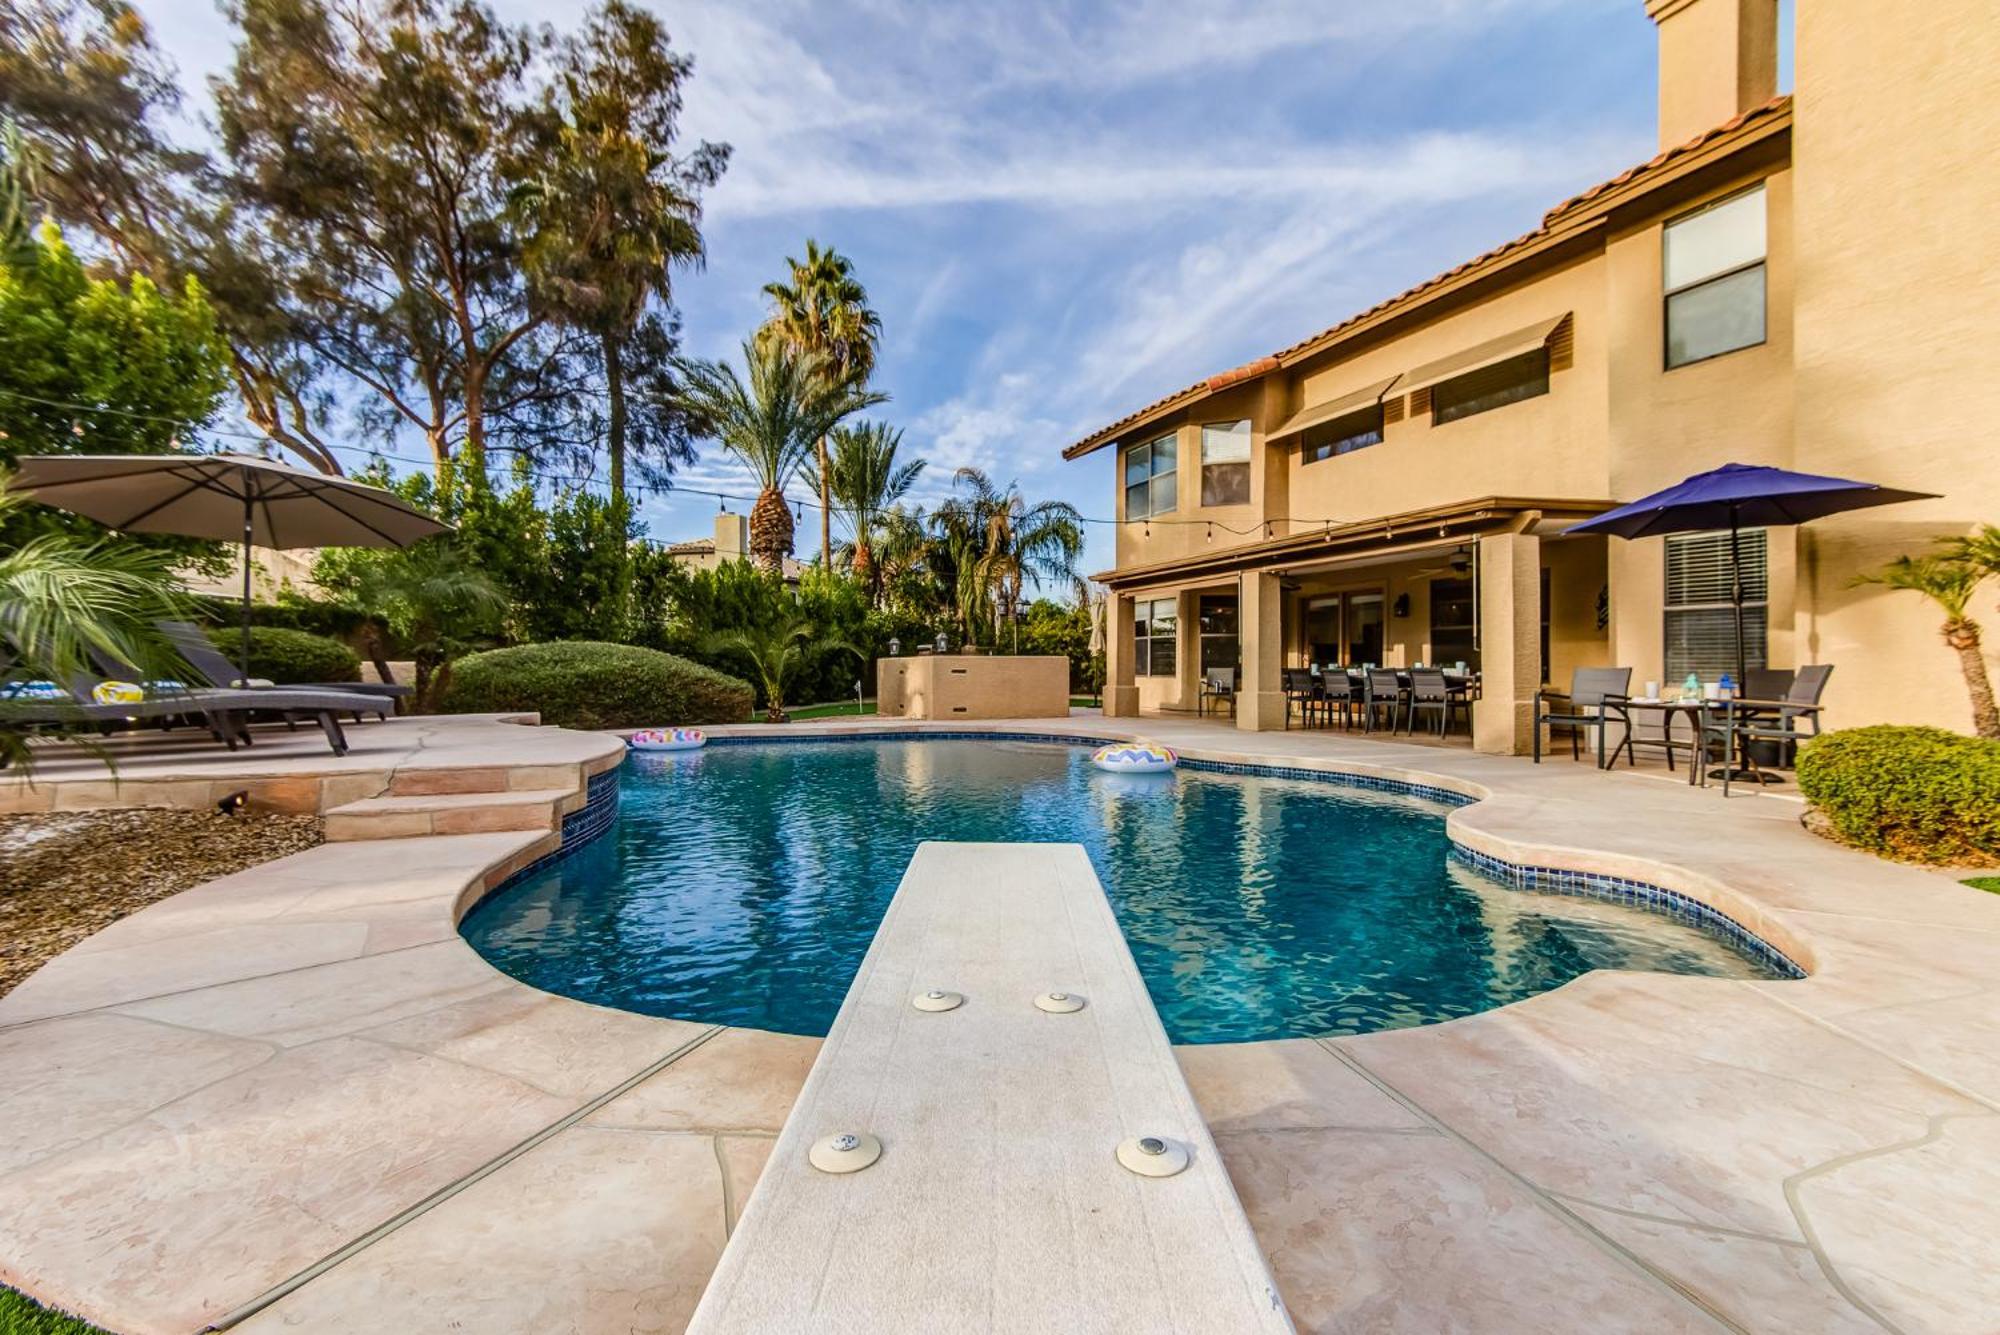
(1582, 706)
(1338, 687)
(1299, 690)
(1384, 691)
(1430, 692)
(1217, 684)
(1746, 722)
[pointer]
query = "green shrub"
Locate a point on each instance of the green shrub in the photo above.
(1923, 794)
(591, 684)
(289, 655)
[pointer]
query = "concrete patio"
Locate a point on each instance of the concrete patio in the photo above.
(295, 1096)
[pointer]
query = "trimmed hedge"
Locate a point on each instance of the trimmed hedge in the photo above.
(286, 656)
(591, 684)
(1922, 794)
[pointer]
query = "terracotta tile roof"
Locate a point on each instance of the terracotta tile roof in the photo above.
(1264, 365)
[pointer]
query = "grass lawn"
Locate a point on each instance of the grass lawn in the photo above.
(21, 1315)
(1990, 884)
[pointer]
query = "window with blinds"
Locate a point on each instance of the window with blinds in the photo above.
(1700, 620)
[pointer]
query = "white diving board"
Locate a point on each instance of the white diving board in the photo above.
(998, 1202)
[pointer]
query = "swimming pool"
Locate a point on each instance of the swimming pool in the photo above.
(742, 884)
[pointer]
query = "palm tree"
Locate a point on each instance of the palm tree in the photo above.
(776, 649)
(770, 424)
(63, 599)
(824, 310)
(1950, 582)
(432, 599)
(1001, 543)
(865, 481)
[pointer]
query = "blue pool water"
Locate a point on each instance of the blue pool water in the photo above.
(742, 884)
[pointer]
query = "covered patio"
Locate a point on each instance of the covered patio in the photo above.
(1490, 589)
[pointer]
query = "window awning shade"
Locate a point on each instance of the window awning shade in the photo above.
(1482, 355)
(1312, 416)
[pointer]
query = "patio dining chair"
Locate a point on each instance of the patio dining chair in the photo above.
(1384, 691)
(1740, 723)
(1217, 684)
(1337, 687)
(1300, 690)
(1582, 707)
(1431, 692)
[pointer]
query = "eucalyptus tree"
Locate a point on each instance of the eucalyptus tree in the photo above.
(1002, 543)
(770, 420)
(610, 211)
(822, 309)
(864, 480)
(381, 141)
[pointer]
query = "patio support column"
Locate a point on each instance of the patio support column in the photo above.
(1510, 642)
(1260, 698)
(1121, 688)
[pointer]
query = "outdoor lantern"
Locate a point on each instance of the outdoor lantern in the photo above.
(895, 647)
(942, 647)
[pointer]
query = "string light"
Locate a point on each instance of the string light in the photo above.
(722, 498)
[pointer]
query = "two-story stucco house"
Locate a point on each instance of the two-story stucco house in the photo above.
(1808, 280)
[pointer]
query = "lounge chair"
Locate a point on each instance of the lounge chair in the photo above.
(214, 669)
(1582, 706)
(225, 713)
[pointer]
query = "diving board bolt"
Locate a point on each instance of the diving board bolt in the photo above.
(847, 1152)
(1059, 1003)
(1152, 1156)
(935, 1000)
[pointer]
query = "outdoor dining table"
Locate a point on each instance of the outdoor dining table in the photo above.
(1697, 712)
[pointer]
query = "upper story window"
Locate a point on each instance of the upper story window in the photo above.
(1225, 463)
(1495, 386)
(1149, 479)
(1343, 435)
(1714, 278)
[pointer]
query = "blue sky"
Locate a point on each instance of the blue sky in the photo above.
(1064, 210)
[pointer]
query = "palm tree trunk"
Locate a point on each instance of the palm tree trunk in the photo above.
(614, 432)
(770, 531)
(825, 511)
(1963, 636)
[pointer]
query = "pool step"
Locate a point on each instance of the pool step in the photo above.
(1001, 1199)
(401, 816)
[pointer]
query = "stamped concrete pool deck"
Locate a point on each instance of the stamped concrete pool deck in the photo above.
(294, 1098)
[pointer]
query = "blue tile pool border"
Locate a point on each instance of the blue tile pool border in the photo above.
(600, 810)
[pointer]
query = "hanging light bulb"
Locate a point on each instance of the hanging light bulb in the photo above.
(1211, 533)
(1149, 529)
(76, 428)
(720, 508)
(1267, 528)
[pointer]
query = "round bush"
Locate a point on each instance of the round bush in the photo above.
(1923, 794)
(286, 656)
(590, 684)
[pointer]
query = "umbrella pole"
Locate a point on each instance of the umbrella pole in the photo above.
(245, 664)
(1736, 598)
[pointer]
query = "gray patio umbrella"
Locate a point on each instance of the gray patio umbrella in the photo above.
(223, 496)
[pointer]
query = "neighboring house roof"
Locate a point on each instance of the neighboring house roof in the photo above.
(1772, 115)
(699, 547)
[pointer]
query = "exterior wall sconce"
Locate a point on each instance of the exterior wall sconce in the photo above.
(1402, 604)
(942, 646)
(895, 647)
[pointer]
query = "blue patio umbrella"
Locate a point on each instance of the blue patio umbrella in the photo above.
(1736, 495)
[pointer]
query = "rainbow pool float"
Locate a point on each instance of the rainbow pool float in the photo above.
(668, 739)
(1134, 758)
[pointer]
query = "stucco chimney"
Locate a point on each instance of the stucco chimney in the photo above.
(732, 536)
(1718, 58)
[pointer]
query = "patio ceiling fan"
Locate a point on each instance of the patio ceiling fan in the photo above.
(1459, 564)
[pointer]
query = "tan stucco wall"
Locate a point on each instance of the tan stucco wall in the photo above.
(1898, 214)
(1717, 57)
(973, 686)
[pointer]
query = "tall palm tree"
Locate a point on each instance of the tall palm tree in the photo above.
(824, 309)
(1002, 544)
(865, 481)
(1950, 583)
(770, 423)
